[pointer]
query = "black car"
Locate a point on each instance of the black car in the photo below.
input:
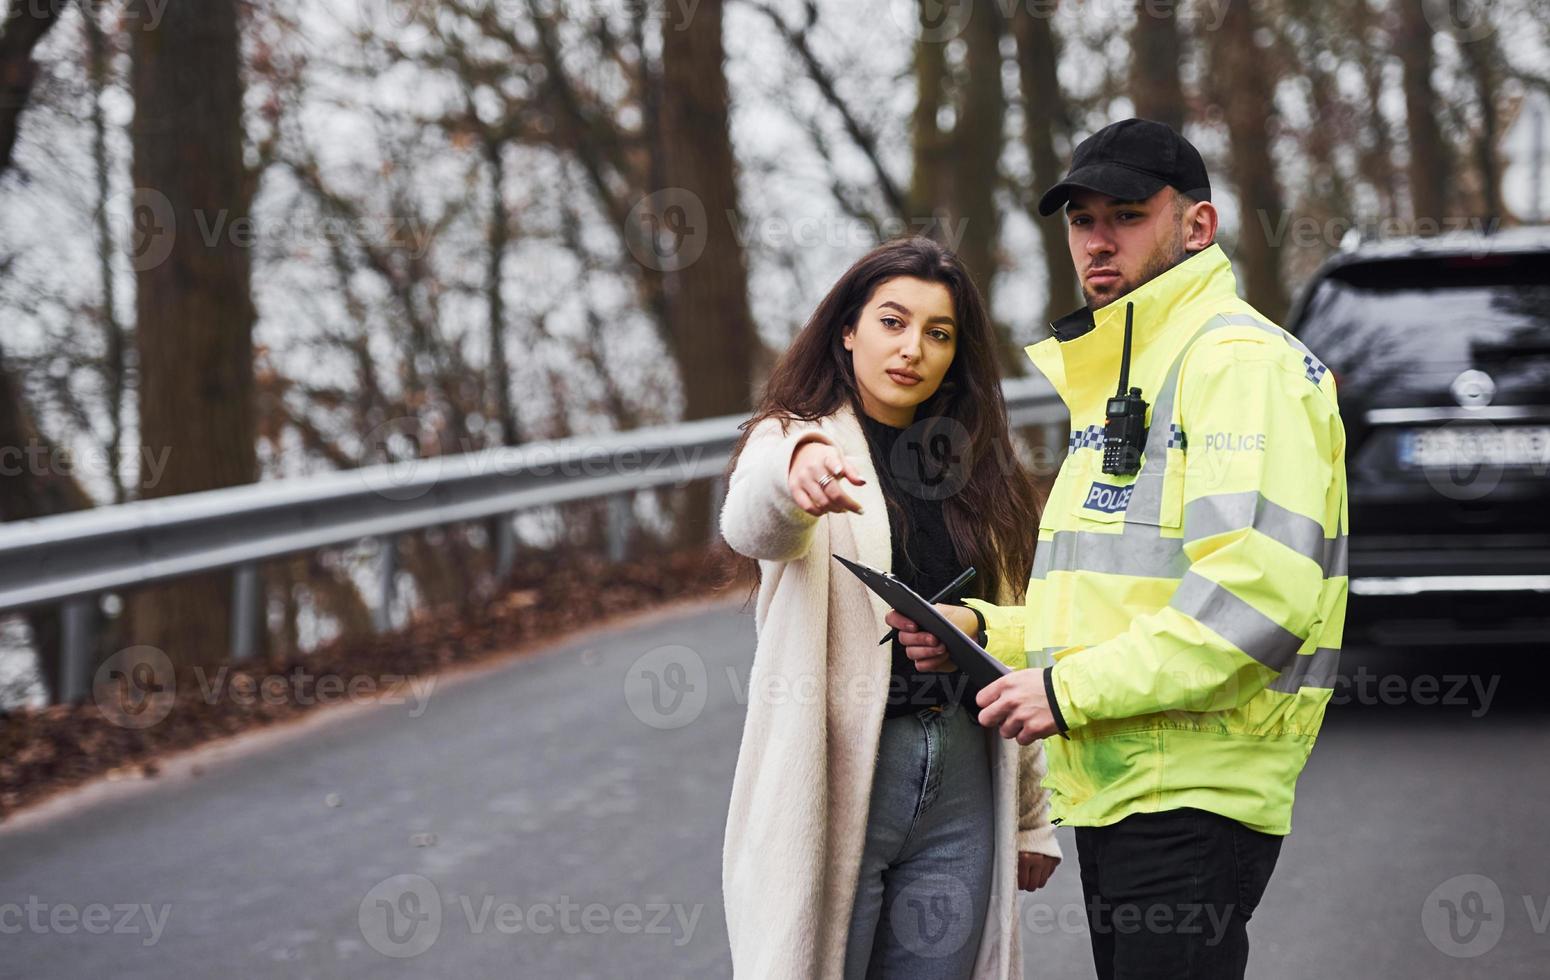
(1441, 350)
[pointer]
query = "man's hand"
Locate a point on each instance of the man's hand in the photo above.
(1033, 870)
(926, 651)
(1017, 706)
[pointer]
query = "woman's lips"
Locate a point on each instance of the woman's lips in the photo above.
(900, 378)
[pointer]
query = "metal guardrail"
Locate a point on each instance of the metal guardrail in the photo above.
(71, 559)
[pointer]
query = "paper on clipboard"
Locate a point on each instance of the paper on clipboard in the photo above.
(980, 667)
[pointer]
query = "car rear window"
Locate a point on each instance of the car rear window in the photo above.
(1409, 325)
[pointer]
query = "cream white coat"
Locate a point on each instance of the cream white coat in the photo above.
(797, 822)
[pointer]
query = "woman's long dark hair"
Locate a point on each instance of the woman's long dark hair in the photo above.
(993, 519)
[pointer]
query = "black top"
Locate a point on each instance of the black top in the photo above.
(923, 559)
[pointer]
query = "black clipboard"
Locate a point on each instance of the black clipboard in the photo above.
(978, 666)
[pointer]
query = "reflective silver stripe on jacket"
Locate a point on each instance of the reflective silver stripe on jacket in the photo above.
(1237, 622)
(1146, 499)
(1137, 550)
(1316, 669)
(1220, 513)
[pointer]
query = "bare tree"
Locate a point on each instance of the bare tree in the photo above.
(709, 320)
(114, 366)
(978, 137)
(499, 379)
(1312, 35)
(29, 491)
(1046, 117)
(861, 136)
(930, 146)
(1428, 152)
(1244, 77)
(957, 171)
(24, 28)
(1156, 51)
(1375, 143)
(1483, 63)
(193, 308)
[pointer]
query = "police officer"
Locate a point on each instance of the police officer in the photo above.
(1182, 624)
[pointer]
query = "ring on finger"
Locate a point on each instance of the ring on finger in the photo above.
(827, 479)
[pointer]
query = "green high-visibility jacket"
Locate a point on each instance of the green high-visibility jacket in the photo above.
(1191, 614)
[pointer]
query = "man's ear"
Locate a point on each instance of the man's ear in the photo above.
(1200, 222)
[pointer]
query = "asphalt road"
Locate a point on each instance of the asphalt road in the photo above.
(561, 817)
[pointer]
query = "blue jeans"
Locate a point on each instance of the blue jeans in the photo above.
(930, 849)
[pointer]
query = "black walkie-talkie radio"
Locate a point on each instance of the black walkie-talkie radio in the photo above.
(1124, 431)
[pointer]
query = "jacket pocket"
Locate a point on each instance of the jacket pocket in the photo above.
(1154, 497)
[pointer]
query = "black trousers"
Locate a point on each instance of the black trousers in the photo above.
(1169, 895)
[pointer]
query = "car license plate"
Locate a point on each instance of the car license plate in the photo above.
(1459, 446)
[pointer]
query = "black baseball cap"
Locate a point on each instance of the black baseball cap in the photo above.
(1131, 160)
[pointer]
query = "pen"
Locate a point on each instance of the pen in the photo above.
(951, 588)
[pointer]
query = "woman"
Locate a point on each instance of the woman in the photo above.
(874, 828)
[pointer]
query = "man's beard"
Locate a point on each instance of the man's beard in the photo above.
(1165, 256)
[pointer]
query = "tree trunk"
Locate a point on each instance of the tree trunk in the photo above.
(1323, 143)
(1376, 160)
(32, 486)
(500, 234)
(707, 296)
(21, 32)
(1045, 115)
(1482, 58)
(1245, 91)
(1428, 155)
(1156, 50)
(976, 162)
(29, 490)
(114, 367)
(195, 313)
(929, 146)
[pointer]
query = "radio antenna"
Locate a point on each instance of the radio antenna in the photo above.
(1124, 363)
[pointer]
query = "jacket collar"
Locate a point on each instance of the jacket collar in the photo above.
(1085, 365)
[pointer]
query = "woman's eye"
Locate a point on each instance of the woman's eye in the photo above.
(1128, 215)
(942, 335)
(892, 322)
